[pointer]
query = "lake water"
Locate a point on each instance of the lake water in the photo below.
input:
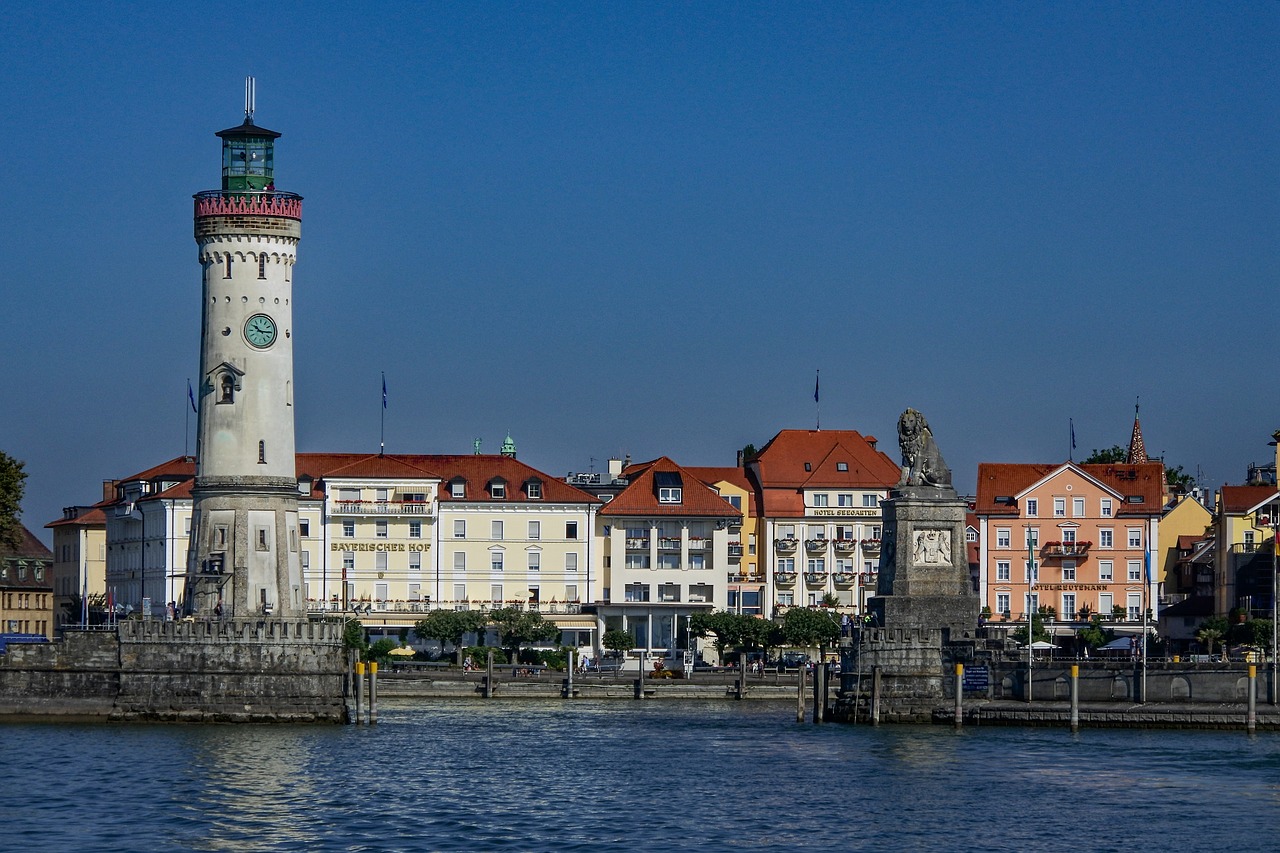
(623, 775)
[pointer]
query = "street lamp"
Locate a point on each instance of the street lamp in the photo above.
(1031, 583)
(1275, 546)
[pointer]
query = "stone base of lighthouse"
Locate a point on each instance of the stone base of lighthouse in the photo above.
(246, 549)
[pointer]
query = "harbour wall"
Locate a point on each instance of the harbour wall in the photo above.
(199, 671)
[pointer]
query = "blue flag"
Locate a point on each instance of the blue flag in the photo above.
(191, 395)
(1073, 433)
(384, 390)
(816, 379)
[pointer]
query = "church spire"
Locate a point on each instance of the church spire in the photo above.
(1137, 449)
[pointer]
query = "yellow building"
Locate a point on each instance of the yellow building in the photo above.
(1184, 521)
(79, 562)
(26, 587)
(1242, 569)
(747, 589)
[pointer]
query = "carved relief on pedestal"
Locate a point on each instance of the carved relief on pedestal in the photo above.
(931, 547)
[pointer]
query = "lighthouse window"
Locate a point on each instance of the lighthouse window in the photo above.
(227, 269)
(262, 453)
(228, 383)
(262, 266)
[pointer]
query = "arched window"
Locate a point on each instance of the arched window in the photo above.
(262, 265)
(227, 271)
(262, 453)
(228, 383)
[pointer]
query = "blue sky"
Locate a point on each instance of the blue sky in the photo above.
(641, 228)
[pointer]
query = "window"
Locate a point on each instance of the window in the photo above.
(348, 529)
(637, 592)
(535, 530)
(1069, 572)
(786, 599)
(498, 491)
(844, 500)
(348, 560)
(1134, 610)
(970, 535)
(262, 539)
(571, 592)
(1105, 508)
(817, 564)
(495, 561)
(786, 564)
(751, 544)
(1033, 507)
(1031, 571)
(459, 561)
(1135, 537)
(1135, 570)
(1068, 606)
(871, 500)
(1077, 507)
(1059, 507)
(843, 565)
(571, 562)
(304, 527)
(381, 528)
(1069, 536)
(1106, 538)
(459, 528)
(670, 495)
(668, 592)
(1002, 603)
(495, 593)
(382, 495)
(1104, 603)
(571, 530)
(226, 270)
(262, 453)
(1106, 570)
(1033, 537)
(817, 531)
(735, 501)
(1002, 537)
(842, 466)
(1003, 570)
(348, 495)
(1248, 540)
(637, 560)
(415, 530)
(415, 561)
(305, 558)
(668, 561)
(380, 561)
(495, 530)
(535, 561)
(459, 592)
(820, 499)
(458, 489)
(534, 490)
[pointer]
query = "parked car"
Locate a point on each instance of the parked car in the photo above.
(791, 660)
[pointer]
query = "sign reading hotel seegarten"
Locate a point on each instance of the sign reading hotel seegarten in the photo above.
(860, 512)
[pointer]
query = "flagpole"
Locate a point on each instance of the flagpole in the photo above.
(816, 402)
(382, 433)
(186, 423)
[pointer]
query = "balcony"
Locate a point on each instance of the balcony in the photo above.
(380, 508)
(844, 578)
(248, 203)
(815, 546)
(638, 544)
(1065, 549)
(735, 549)
(871, 546)
(815, 578)
(786, 546)
(669, 544)
(845, 546)
(699, 543)
(784, 578)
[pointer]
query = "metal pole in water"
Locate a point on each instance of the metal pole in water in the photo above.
(800, 695)
(1251, 721)
(488, 676)
(1075, 697)
(573, 664)
(959, 695)
(359, 692)
(373, 692)
(875, 695)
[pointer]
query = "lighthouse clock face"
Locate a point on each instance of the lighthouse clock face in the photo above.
(260, 331)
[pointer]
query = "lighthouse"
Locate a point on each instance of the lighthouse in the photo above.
(243, 559)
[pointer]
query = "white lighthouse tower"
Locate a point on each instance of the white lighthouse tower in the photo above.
(243, 558)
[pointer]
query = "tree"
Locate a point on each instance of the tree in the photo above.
(1038, 633)
(353, 636)
(809, 627)
(619, 641)
(379, 650)
(723, 627)
(12, 488)
(1212, 630)
(449, 627)
(1110, 455)
(1179, 480)
(518, 627)
(1094, 635)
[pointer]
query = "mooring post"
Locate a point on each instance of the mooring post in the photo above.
(959, 695)
(568, 682)
(819, 692)
(875, 695)
(800, 695)
(488, 676)
(359, 692)
(740, 686)
(1075, 697)
(348, 688)
(1251, 721)
(373, 693)
(640, 677)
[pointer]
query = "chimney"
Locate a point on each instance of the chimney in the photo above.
(615, 468)
(108, 490)
(739, 458)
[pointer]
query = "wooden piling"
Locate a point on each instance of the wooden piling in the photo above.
(359, 692)
(959, 695)
(1251, 721)
(875, 695)
(1075, 697)
(373, 693)
(800, 695)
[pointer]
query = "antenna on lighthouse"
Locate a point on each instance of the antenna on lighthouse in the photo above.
(250, 96)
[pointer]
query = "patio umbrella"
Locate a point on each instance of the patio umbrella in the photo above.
(403, 651)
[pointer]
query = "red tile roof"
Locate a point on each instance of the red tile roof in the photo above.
(29, 547)
(640, 497)
(1010, 479)
(1238, 499)
(736, 476)
(92, 517)
(780, 467)
(479, 470)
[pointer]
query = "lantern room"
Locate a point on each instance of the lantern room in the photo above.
(248, 153)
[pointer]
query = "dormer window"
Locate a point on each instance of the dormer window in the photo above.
(842, 466)
(533, 490)
(498, 490)
(458, 488)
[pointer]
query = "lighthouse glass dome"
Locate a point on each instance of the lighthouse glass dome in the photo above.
(248, 158)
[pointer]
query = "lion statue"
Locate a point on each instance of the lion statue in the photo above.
(922, 464)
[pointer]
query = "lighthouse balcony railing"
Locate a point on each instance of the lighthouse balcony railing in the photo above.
(248, 202)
